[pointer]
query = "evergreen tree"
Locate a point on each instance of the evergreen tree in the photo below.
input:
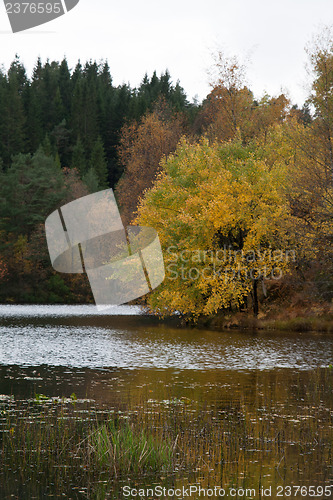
(79, 158)
(65, 87)
(61, 137)
(32, 189)
(37, 72)
(34, 122)
(47, 146)
(99, 164)
(17, 71)
(13, 117)
(91, 181)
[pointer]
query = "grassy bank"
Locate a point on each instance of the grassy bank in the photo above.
(291, 324)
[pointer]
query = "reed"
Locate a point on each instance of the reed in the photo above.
(65, 442)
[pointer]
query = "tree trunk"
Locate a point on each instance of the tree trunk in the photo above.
(255, 298)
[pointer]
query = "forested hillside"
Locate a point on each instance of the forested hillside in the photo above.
(237, 173)
(60, 132)
(74, 113)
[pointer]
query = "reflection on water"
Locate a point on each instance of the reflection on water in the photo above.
(270, 393)
(83, 340)
(34, 311)
(119, 387)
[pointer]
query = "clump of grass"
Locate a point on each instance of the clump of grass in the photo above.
(122, 447)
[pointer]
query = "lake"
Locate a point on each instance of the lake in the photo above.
(273, 383)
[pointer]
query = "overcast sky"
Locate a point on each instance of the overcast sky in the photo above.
(180, 35)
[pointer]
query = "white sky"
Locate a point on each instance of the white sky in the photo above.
(180, 35)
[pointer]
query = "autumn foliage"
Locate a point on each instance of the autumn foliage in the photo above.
(225, 226)
(142, 146)
(247, 211)
(239, 188)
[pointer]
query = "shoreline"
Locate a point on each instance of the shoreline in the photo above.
(305, 321)
(296, 324)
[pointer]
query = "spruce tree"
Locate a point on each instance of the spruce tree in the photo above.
(79, 158)
(99, 164)
(13, 118)
(65, 87)
(91, 181)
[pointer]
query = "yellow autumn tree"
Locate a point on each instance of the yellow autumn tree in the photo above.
(224, 224)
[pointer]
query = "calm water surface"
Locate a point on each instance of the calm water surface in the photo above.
(82, 337)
